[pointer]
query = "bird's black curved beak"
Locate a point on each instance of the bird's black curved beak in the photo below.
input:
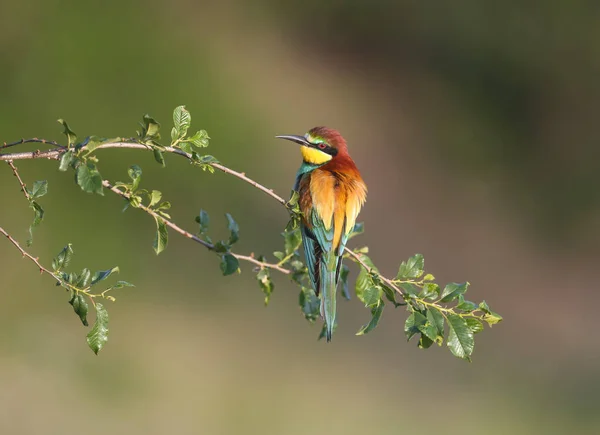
(298, 139)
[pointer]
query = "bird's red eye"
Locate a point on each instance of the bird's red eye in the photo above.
(322, 146)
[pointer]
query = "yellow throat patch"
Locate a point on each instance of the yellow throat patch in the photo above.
(314, 156)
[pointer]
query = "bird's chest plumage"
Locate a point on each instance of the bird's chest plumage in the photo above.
(330, 199)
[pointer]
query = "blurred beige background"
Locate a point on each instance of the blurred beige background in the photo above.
(475, 127)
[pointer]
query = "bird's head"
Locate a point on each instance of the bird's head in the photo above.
(319, 145)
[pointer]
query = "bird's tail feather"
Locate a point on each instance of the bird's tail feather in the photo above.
(328, 291)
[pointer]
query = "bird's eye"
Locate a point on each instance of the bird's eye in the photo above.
(322, 146)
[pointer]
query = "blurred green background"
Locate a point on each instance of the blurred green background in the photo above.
(475, 127)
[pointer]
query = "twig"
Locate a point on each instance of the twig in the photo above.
(16, 174)
(191, 236)
(52, 154)
(35, 139)
(56, 152)
(28, 255)
(359, 260)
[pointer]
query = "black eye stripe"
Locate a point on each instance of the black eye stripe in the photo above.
(325, 148)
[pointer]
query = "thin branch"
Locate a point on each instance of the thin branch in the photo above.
(28, 255)
(191, 236)
(16, 174)
(52, 154)
(35, 140)
(56, 152)
(359, 260)
(242, 176)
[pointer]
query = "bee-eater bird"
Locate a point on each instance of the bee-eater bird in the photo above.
(332, 193)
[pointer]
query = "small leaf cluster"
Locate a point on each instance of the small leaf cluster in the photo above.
(81, 288)
(182, 120)
(428, 305)
(150, 200)
(78, 156)
(229, 263)
(190, 145)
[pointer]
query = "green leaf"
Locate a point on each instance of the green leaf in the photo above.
(492, 318)
(80, 306)
(186, 147)
(344, 278)
(83, 278)
(425, 342)
(229, 264)
(40, 188)
(292, 240)
(412, 268)
(234, 229)
(453, 290)
(367, 260)
(429, 277)
(466, 306)
(309, 303)
(435, 318)
(376, 312)
(103, 274)
(293, 223)
(430, 291)
(366, 291)
(65, 160)
(135, 173)
(155, 197)
(409, 288)
(483, 306)
(93, 142)
(429, 330)
(151, 127)
(293, 205)
(411, 326)
(460, 337)
(474, 325)
(358, 229)
(162, 236)
(71, 136)
(390, 295)
(265, 283)
(63, 258)
(120, 284)
(38, 217)
(221, 247)
(165, 205)
(181, 120)
(158, 156)
(371, 295)
(199, 139)
(206, 160)
(134, 201)
(89, 179)
(98, 335)
(204, 220)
